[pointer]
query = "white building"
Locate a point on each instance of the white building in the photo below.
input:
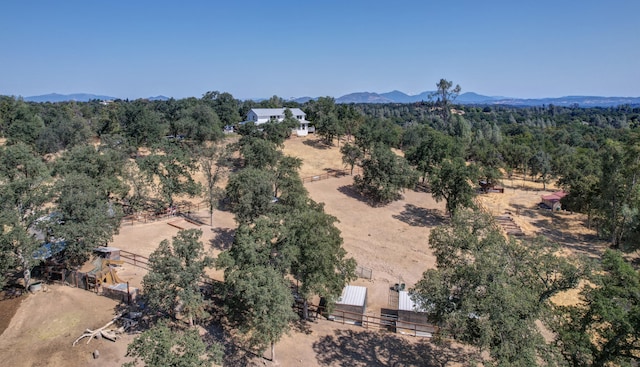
(263, 115)
(351, 306)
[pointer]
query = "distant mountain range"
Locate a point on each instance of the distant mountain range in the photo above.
(79, 97)
(474, 98)
(399, 97)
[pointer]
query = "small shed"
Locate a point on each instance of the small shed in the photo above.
(552, 201)
(351, 305)
(412, 319)
(109, 253)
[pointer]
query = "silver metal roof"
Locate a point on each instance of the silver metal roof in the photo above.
(353, 295)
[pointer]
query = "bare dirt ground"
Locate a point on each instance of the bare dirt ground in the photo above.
(41, 333)
(520, 201)
(391, 240)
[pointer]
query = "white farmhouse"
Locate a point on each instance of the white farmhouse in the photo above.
(262, 115)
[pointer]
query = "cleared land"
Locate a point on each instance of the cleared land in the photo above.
(392, 241)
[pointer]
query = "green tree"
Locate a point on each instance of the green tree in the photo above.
(489, 291)
(287, 185)
(350, 118)
(259, 152)
(605, 329)
(540, 164)
(325, 117)
(103, 165)
(175, 270)
(163, 345)
(384, 175)
(198, 123)
(259, 302)
(250, 194)
(67, 130)
(351, 155)
(580, 179)
(320, 263)
(24, 194)
(225, 106)
(85, 217)
(173, 170)
(452, 182)
(214, 162)
(445, 94)
(278, 131)
(619, 204)
(142, 125)
(432, 149)
(377, 131)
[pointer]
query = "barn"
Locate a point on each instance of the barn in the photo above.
(412, 319)
(351, 305)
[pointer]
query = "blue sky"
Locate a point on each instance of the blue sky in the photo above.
(253, 49)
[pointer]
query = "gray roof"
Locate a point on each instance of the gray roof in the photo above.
(353, 295)
(276, 111)
(405, 303)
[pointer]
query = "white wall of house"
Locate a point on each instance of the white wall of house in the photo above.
(263, 115)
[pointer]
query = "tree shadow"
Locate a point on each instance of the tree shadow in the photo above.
(420, 217)
(338, 172)
(223, 238)
(235, 354)
(351, 192)
(519, 209)
(367, 348)
(580, 243)
(316, 143)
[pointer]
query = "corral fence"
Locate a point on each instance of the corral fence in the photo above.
(150, 216)
(134, 259)
(386, 321)
(332, 173)
(364, 273)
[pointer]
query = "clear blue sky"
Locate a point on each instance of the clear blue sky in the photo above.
(252, 49)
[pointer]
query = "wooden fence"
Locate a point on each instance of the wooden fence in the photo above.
(150, 216)
(134, 259)
(386, 321)
(332, 173)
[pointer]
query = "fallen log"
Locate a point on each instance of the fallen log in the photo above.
(88, 333)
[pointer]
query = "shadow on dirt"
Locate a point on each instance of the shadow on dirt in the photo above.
(351, 192)
(316, 143)
(366, 348)
(223, 238)
(420, 217)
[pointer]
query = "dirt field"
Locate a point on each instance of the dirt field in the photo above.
(520, 202)
(392, 241)
(42, 331)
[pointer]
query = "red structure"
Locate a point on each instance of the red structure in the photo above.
(553, 200)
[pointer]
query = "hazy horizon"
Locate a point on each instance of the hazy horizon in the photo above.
(255, 49)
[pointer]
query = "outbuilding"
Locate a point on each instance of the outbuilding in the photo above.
(412, 319)
(351, 305)
(552, 201)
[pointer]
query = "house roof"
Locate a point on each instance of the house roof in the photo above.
(405, 303)
(556, 196)
(353, 295)
(276, 111)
